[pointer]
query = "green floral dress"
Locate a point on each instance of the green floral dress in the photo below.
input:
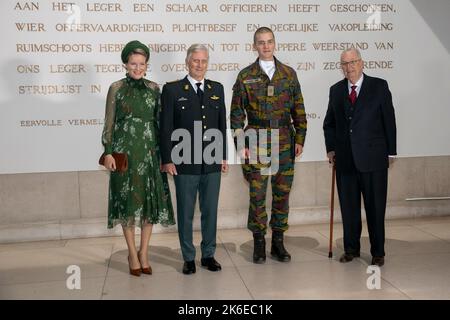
(141, 194)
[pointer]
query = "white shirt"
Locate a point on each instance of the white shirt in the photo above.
(358, 85)
(268, 67)
(193, 82)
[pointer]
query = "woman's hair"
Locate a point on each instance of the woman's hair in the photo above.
(137, 51)
(134, 47)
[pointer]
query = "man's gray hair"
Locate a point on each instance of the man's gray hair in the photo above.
(195, 47)
(356, 50)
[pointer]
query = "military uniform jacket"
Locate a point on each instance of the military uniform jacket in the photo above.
(253, 99)
(181, 108)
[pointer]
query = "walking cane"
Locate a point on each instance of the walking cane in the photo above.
(333, 179)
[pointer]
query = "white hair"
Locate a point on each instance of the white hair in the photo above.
(358, 53)
(195, 47)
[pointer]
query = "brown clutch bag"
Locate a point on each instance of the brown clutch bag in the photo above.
(121, 161)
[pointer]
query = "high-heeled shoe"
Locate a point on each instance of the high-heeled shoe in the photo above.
(134, 272)
(146, 270)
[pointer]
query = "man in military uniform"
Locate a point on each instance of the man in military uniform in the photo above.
(193, 111)
(267, 93)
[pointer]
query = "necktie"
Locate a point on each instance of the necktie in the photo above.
(352, 96)
(199, 91)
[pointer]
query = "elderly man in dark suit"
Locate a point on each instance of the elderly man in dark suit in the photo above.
(193, 150)
(360, 135)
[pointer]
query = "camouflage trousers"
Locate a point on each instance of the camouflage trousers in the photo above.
(281, 182)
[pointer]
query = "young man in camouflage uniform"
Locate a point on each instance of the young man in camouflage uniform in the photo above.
(267, 93)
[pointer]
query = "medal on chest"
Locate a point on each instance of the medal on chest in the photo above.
(270, 90)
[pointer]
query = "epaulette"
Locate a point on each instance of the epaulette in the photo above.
(168, 82)
(211, 81)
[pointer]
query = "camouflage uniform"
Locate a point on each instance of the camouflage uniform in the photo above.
(280, 107)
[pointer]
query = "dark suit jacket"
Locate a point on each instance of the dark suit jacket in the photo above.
(180, 108)
(363, 134)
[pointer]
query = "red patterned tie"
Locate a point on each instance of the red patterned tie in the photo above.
(352, 96)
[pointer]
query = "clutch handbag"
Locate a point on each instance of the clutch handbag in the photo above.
(121, 161)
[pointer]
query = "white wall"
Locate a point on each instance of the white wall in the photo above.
(45, 132)
(50, 184)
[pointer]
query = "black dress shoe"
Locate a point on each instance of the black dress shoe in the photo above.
(378, 261)
(189, 267)
(347, 257)
(211, 264)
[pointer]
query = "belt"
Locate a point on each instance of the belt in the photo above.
(270, 124)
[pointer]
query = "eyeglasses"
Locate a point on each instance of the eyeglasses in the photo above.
(349, 63)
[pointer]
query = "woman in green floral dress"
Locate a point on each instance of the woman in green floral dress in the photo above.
(141, 194)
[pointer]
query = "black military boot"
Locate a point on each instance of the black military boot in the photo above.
(259, 248)
(278, 250)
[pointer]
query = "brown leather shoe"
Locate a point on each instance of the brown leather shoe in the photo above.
(134, 272)
(347, 257)
(378, 261)
(145, 270)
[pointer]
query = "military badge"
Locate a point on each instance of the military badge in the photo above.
(214, 97)
(186, 87)
(248, 81)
